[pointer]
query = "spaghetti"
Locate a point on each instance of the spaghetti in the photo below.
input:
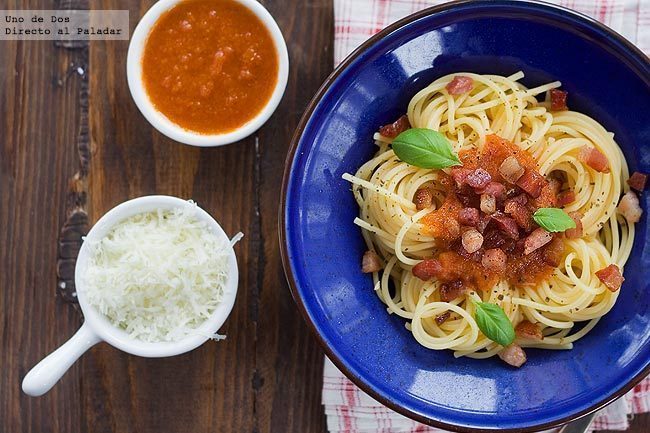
(400, 232)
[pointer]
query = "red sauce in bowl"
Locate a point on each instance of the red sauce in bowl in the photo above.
(210, 66)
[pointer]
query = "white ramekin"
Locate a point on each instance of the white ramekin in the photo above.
(174, 131)
(97, 328)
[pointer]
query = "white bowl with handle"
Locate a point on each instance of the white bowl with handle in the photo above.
(97, 328)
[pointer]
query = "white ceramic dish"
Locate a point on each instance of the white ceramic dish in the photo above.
(172, 130)
(97, 328)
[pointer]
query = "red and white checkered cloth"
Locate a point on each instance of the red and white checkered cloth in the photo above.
(350, 410)
(357, 20)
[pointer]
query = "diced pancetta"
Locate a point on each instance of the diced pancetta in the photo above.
(537, 239)
(511, 170)
(483, 222)
(460, 85)
(423, 198)
(576, 232)
(513, 355)
(394, 129)
(478, 178)
(594, 158)
(451, 291)
(506, 224)
(442, 318)
(532, 182)
(611, 277)
(472, 240)
(493, 239)
(371, 262)
(459, 174)
(494, 260)
(496, 189)
(630, 208)
(565, 198)
(427, 269)
(488, 203)
(468, 216)
(553, 252)
(637, 181)
(558, 100)
(528, 331)
(520, 213)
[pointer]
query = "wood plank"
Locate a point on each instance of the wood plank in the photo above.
(40, 91)
(289, 360)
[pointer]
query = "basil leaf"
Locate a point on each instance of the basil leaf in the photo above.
(425, 148)
(493, 323)
(553, 219)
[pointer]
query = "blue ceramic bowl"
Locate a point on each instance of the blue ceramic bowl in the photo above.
(606, 77)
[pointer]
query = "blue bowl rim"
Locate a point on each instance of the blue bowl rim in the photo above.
(630, 52)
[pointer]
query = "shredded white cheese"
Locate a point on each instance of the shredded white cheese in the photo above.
(157, 275)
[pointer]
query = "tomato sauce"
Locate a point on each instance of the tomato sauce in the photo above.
(471, 273)
(435, 223)
(521, 269)
(209, 66)
(497, 149)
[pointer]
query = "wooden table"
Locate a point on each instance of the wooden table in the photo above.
(73, 145)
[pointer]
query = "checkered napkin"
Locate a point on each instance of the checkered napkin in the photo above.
(350, 410)
(357, 20)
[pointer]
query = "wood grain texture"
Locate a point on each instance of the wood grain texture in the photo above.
(289, 362)
(39, 119)
(266, 376)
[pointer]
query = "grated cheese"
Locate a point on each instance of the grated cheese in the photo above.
(158, 275)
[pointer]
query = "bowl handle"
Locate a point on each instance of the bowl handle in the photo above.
(46, 373)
